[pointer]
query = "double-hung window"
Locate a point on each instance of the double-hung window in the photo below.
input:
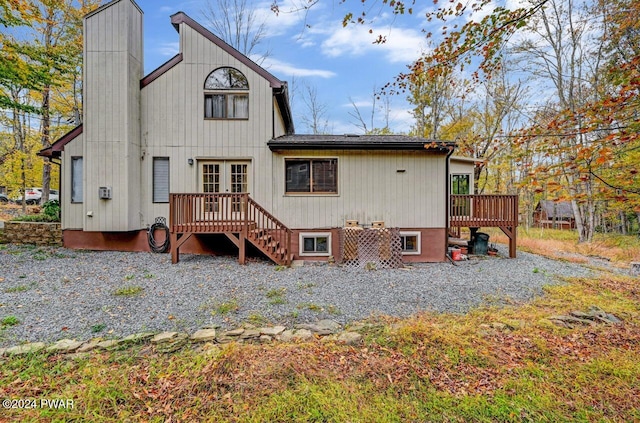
(318, 176)
(226, 95)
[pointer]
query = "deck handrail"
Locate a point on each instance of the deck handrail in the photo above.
(229, 213)
(488, 210)
(267, 225)
(207, 212)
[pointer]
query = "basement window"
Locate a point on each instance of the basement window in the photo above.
(410, 243)
(315, 244)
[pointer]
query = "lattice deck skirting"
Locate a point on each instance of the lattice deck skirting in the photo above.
(379, 248)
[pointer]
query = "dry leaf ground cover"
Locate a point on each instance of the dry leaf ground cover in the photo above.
(492, 364)
(563, 245)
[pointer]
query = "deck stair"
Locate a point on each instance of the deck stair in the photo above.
(235, 215)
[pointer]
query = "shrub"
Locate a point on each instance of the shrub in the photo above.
(51, 209)
(50, 213)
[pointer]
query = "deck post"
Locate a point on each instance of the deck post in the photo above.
(175, 253)
(512, 243)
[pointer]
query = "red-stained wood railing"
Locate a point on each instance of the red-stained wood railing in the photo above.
(236, 215)
(269, 233)
(477, 211)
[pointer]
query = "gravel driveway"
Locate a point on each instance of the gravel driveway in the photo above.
(57, 293)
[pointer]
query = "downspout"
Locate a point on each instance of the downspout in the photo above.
(447, 201)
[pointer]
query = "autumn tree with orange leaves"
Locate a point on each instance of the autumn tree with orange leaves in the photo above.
(582, 143)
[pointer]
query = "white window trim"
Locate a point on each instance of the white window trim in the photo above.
(418, 236)
(304, 235)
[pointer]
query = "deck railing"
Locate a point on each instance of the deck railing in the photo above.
(273, 233)
(483, 211)
(208, 212)
(230, 213)
(477, 211)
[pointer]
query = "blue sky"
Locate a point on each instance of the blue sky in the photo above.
(341, 63)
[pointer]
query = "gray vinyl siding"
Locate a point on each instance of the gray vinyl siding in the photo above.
(369, 189)
(173, 124)
(72, 213)
(112, 73)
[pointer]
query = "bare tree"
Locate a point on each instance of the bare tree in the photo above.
(236, 22)
(370, 127)
(558, 52)
(316, 117)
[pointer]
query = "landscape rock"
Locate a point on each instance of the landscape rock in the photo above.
(350, 338)
(138, 337)
(250, 334)
(286, 336)
(274, 331)
(302, 335)
(172, 344)
(89, 345)
(265, 339)
(323, 327)
(593, 316)
(108, 344)
(235, 332)
(25, 348)
(163, 337)
(65, 346)
(204, 335)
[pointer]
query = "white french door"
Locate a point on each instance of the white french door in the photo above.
(224, 176)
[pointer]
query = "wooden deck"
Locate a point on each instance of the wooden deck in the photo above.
(486, 211)
(235, 215)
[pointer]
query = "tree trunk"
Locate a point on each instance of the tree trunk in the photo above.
(46, 142)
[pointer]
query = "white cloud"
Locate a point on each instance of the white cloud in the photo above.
(288, 17)
(276, 66)
(359, 104)
(168, 49)
(402, 45)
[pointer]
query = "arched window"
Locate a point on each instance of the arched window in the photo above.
(226, 95)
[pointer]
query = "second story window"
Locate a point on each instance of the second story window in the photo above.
(226, 95)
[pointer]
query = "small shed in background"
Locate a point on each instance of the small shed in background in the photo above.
(552, 214)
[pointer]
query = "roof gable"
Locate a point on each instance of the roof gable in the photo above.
(556, 209)
(182, 17)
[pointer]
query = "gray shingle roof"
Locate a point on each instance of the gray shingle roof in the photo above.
(562, 209)
(358, 142)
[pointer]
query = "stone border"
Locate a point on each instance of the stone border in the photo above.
(167, 342)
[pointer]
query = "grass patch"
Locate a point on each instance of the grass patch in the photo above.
(98, 328)
(225, 307)
(9, 321)
(128, 291)
(257, 319)
(19, 288)
(276, 296)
